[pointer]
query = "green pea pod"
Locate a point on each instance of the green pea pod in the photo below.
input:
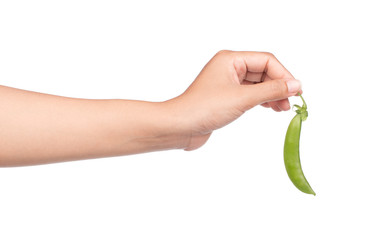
(291, 150)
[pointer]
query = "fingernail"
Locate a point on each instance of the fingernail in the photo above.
(293, 85)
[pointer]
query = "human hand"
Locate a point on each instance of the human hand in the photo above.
(41, 128)
(230, 84)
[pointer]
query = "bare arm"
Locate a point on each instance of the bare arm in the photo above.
(38, 128)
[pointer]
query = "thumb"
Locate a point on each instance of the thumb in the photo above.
(273, 90)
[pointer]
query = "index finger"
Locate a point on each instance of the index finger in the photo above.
(264, 62)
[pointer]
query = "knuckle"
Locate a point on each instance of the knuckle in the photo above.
(269, 54)
(223, 52)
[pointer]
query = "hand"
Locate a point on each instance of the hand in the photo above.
(230, 84)
(40, 128)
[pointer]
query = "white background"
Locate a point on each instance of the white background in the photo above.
(234, 187)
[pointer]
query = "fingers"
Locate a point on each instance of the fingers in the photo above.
(261, 62)
(279, 105)
(283, 104)
(274, 106)
(274, 92)
(262, 68)
(273, 82)
(255, 77)
(266, 105)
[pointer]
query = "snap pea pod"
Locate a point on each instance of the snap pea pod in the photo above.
(291, 150)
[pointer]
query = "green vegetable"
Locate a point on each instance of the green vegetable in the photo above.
(291, 150)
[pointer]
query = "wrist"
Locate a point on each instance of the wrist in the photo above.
(153, 126)
(172, 126)
(184, 119)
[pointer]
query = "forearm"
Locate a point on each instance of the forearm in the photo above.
(39, 128)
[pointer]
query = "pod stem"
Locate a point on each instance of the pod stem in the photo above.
(302, 111)
(304, 103)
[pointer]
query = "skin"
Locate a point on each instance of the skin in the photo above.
(291, 151)
(37, 128)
